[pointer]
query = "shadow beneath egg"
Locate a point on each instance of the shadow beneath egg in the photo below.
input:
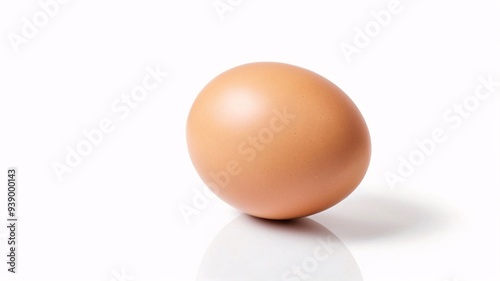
(369, 216)
(250, 248)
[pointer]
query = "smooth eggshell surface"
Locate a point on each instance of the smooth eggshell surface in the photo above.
(277, 141)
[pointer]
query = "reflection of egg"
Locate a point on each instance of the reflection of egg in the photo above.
(277, 141)
(252, 249)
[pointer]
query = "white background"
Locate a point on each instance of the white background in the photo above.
(116, 215)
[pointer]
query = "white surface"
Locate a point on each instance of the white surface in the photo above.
(118, 211)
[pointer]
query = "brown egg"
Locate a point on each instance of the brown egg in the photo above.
(277, 141)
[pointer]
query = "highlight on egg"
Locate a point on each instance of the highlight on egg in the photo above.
(277, 141)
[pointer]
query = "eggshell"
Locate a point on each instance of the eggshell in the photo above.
(277, 141)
